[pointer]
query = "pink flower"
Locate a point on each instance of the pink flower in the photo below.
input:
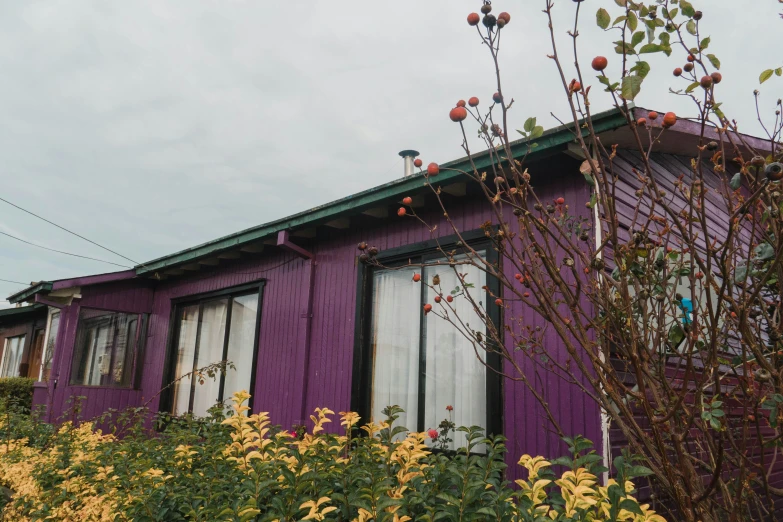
(449, 408)
(433, 434)
(293, 434)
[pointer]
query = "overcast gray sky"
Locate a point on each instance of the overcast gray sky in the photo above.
(152, 126)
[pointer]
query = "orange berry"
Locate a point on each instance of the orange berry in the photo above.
(458, 114)
(416, 278)
(473, 101)
(433, 169)
(600, 63)
(407, 200)
(474, 18)
(652, 115)
(669, 119)
(401, 211)
(417, 162)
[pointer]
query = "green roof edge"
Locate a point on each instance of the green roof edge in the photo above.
(552, 138)
(19, 310)
(44, 286)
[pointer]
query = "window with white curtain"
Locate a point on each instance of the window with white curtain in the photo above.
(422, 363)
(12, 356)
(216, 328)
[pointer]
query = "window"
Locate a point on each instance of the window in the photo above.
(423, 363)
(36, 353)
(12, 356)
(219, 327)
(51, 339)
(106, 345)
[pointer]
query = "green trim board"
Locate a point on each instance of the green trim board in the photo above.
(549, 141)
(30, 291)
(20, 310)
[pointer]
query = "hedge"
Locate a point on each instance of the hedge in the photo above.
(17, 392)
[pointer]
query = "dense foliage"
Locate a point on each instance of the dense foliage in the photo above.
(17, 390)
(243, 468)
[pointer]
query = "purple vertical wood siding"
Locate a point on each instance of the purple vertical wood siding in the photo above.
(286, 387)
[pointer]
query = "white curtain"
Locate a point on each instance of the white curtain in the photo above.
(396, 313)
(244, 310)
(12, 357)
(210, 350)
(454, 374)
(186, 347)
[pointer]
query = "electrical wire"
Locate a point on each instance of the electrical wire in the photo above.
(62, 252)
(15, 282)
(75, 234)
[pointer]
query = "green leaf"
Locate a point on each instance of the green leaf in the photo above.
(766, 75)
(673, 13)
(714, 60)
(650, 48)
(603, 79)
(676, 335)
(621, 3)
(764, 252)
(589, 179)
(631, 87)
(736, 181)
(740, 274)
(633, 22)
(691, 87)
(779, 71)
(691, 27)
(704, 43)
(687, 8)
(637, 38)
(602, 18)
(530, 124)
(618, 20)
(538, 131)
(641, 69)
(631, 506)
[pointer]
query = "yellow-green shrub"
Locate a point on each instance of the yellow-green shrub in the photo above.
(243, 468)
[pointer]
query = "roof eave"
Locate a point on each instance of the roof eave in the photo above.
(451, 172)
(30, 291)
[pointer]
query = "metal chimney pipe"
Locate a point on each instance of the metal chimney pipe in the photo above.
(408, 156)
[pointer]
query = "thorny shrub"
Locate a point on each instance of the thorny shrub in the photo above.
(244, 468)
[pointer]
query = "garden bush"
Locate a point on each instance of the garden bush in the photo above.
(243, 468)
(17, 391)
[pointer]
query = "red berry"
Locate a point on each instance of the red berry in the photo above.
(505, 17)
(458, 114)
(716, 77)
(652, 115)
(688, 67)
(669, 119)
(417, 162)
(576, 86)
(518, 277)
(437, 299)
(416, 278)
(449, 298)
(641, 122)
(497, 98)
(499, 301)
(600, 63)
(407, 200)
(733, 315)
(691, 58)
(677, 72)
(461, 103)
(427, 308)
(401, 212)
(526, 294)
(698, 275)
(474, 18)
(473, 101)
(433, 169)
(706, 82)
(560, 201)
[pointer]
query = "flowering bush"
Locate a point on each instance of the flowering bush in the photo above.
(243, 468)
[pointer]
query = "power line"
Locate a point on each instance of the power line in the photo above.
(15, 282)
(75, 234)
(62, 252)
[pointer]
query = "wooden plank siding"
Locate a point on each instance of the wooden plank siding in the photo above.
(285, 386)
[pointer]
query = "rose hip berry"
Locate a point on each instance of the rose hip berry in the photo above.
(716, 77)
(401, 211)
(677, 72)
(427, 308)
(437, 299)
(497, 98)
(449, 298)
(505, 17)
(600, 63)
(560, 201)
(458, 114)
(474, 19)
(416, 278)
(499, 301)
(688, 67)
(461, 103)
(652, 115)
(407, 200)
(669, 119)
(641, 122)
(417, 162)
(691, 58)
(433, 169)
(473, 102)
(706, 82)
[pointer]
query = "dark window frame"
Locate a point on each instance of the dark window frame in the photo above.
(361, 386)
(170, 367)
(138, 346)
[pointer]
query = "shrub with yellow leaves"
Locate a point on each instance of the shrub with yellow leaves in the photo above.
(241, 467)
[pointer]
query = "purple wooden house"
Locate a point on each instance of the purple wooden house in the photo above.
(307, 325)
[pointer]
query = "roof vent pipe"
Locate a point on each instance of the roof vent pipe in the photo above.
(408, 156)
